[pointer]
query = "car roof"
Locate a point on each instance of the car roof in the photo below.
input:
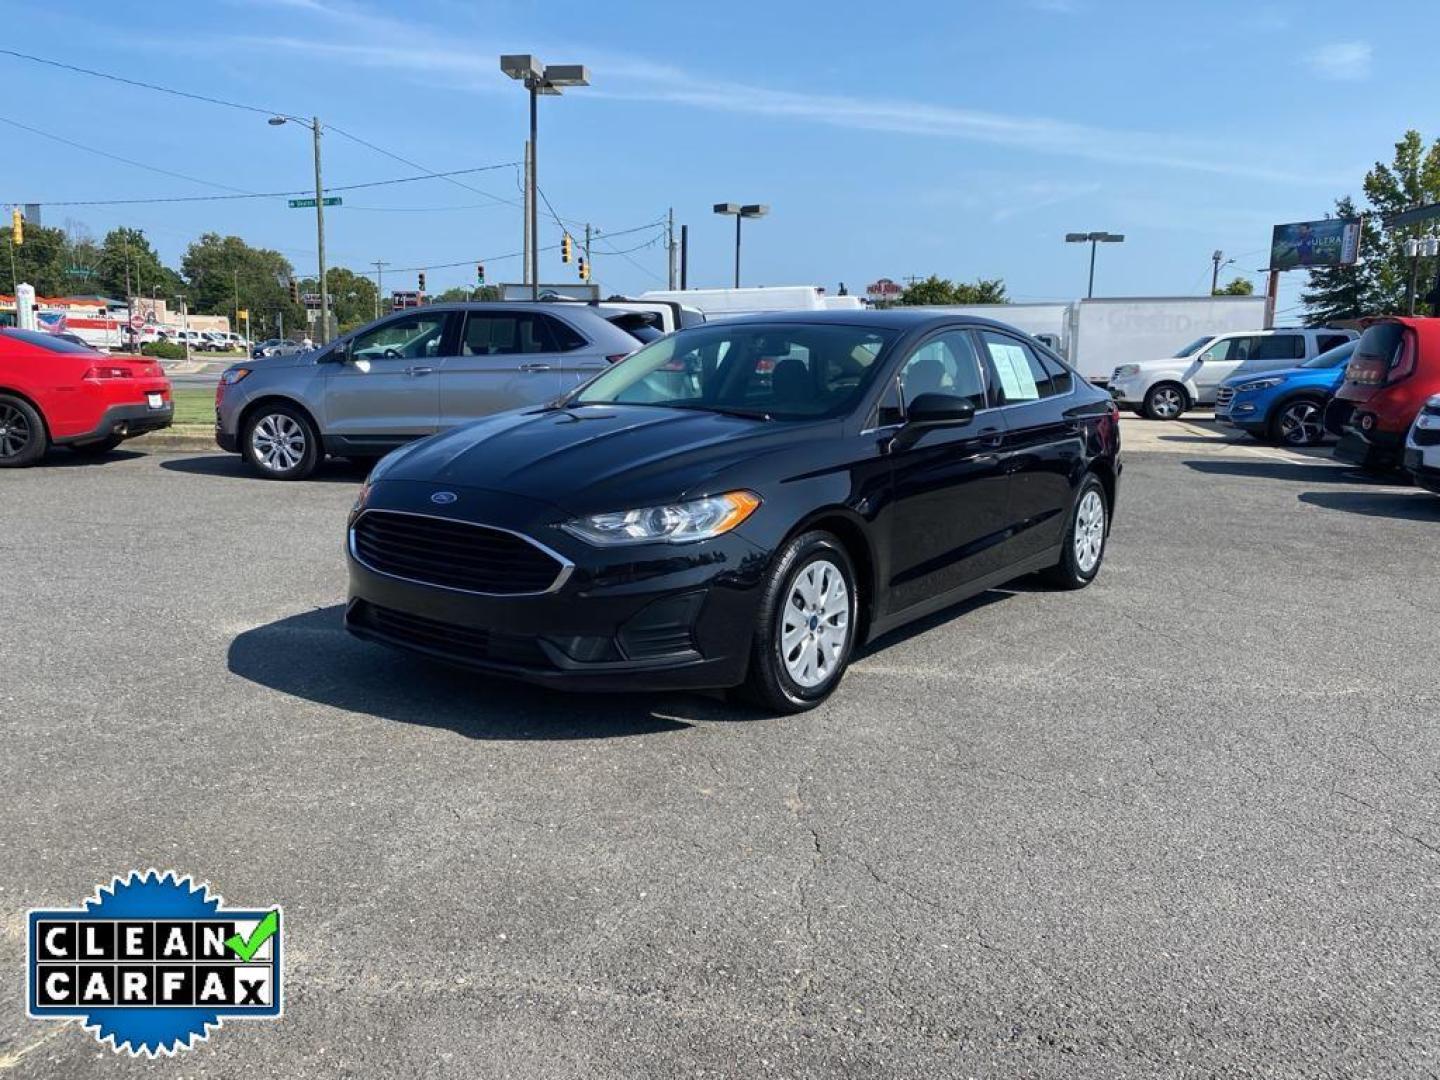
(904, 319)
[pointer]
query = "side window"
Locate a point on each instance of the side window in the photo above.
(506, 334)
(1278, 347)
(944, 365)
(1060, 377)
(1018, 371)
(410, 337)
(1331, 341)
(1223, 349)
(564, 336)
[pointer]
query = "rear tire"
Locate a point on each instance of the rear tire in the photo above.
(1085, 539)
(95, 449)
(805, 627)
(23, 438)
(1298, 422)
(1165, 401)
(279, 442)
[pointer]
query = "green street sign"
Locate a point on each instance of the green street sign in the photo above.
(329, 200)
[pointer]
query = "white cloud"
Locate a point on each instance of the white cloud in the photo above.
(378, 41)
(1342, 61)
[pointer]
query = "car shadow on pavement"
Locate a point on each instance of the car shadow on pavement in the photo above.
(61, 458)
(1412, 506)
(902, 634)
(233, 467)
(310, 656)
(1318, 473)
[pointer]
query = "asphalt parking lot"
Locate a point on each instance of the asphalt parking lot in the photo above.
(1183, 823)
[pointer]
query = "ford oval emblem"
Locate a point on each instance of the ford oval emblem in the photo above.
(444, 498)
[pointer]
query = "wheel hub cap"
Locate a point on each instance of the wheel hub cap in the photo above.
(278, 442)
(815, 624)
(1089, 531)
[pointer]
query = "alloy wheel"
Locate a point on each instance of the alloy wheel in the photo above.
(279, 442)
(815, 624)
(1089, 531)
(1301, 424)
(1166, 403)
(15, 431)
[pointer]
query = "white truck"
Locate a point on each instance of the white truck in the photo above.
(1097, 336)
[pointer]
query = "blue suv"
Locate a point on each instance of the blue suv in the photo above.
(1286, 406)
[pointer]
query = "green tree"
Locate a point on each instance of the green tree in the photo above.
(937, 290)
(1381, 282)
(40, 260)
(981, 291)
(1237, 287)
(126, 255)
(352, 295)
(218, 268)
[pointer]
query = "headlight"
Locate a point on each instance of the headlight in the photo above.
(1124, 371)
(676, 523)
(234, 375)
(1257, 384)
(1428, 422)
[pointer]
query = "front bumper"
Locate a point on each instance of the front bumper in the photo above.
(1125, 392)
(126, 421)
(651, 617)
(1423, 463)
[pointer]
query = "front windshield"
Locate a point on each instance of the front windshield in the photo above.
(1332, 358)
(781, 370)
(1195, 346)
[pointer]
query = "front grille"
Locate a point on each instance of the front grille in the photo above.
(453, 554)
(1224, 395)
(461, 643)
(1426, 436)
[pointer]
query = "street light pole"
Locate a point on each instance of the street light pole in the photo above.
(1093, 238)
(747, 210)
(538, 79)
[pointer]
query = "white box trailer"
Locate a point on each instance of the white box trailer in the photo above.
(730, 303)
(1096, 336)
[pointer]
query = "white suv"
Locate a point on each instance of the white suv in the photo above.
(1163, 389)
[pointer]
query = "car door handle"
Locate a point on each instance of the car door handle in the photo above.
(534, 367)
(419, 371)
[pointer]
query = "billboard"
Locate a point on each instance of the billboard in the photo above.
(1303, 244)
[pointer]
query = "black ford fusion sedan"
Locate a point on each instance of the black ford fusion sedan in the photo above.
(741, 504)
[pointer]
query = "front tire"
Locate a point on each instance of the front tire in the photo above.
(1165, 401)
(1084, 548)
(280, 443)
(805, 628)
(23, 438)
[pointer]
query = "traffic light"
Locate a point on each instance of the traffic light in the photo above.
(17, 226)
(480, 273)
(294, 291)
(422, 280)
(584, 269)
(567, 247)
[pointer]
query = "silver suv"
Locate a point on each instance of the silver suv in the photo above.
(406, 376)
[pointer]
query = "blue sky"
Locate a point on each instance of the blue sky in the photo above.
(955, 138)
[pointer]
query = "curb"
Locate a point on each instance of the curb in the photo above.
(180, 442)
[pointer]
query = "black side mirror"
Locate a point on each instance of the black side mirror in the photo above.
(929, 411)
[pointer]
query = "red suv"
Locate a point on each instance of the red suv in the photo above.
(1396, 366)
(56, 393)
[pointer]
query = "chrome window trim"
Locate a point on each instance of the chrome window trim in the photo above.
(567, 568)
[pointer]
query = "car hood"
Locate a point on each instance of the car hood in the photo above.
(266, 363)
(593, 458)
(1279, 373)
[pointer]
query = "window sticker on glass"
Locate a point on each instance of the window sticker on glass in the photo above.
(1016, 378)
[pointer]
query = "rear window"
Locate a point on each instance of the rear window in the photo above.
(44, 341)
(1380, 351)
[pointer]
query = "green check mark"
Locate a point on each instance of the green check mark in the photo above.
(261, 934)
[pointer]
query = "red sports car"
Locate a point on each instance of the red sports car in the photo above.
(55, 393)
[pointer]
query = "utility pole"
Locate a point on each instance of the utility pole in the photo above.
(588, 265)
(320, 236)
(670, 244)
(379, 265)
(1215, 271)
(129, 296)
(684, 257)
(235, 270)
(529, 199)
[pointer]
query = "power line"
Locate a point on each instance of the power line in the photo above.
(142, 85)
(117, 157)
(416, 165)
(276, 194)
